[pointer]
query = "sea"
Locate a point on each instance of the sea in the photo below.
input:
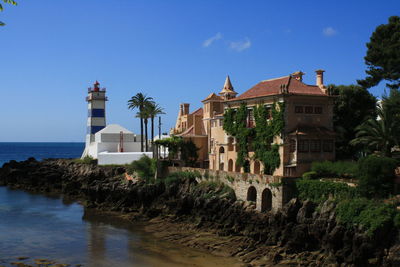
(44, 230)
(22, 151)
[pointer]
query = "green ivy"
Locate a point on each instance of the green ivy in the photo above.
(262, 134)
(266, 130)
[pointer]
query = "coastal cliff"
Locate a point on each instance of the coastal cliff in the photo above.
(300, 234)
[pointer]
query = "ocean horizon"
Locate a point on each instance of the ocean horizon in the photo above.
(39, 150)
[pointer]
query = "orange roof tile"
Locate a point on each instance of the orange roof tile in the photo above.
(273, 87)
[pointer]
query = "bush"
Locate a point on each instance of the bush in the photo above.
(145, 167)
(216, 189)
(86, 160)
(310, 175)
(376, 176)
(371, 214)
(179, 177)
(319, 191)
(343, 169)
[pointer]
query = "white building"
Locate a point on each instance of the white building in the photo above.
(111, 144)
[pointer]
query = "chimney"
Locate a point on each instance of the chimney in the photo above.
(185, 108)
(320, 78)
(298, 75)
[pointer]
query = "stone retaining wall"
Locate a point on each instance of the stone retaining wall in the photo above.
(269, 192)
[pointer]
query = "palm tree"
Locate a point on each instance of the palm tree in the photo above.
(144, 115)
(379, 134)
(154, 110)
(139, 101)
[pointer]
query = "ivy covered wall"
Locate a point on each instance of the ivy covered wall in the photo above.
(269, 123)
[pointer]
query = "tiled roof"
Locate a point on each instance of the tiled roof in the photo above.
(198, 112)
(213, 96)
(273, 87)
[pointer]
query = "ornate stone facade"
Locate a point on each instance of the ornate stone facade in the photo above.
(307, 135)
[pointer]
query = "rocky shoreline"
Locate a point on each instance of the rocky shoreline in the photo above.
(300, 234)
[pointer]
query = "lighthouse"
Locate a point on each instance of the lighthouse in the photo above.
(96, 116)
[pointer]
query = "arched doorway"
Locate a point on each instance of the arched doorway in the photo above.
(257, 167)
(230, 165)
(266, 200)
(252, 194)
(221, 158)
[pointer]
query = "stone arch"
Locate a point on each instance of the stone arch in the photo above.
(266, 200)
(252, 194)
(230, 165)
(257, 167)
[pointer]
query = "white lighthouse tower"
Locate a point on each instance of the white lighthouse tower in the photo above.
(96, 117)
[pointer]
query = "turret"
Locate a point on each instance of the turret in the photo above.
(227, 91)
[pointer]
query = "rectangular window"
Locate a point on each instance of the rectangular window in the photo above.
(269, 112)
(250, 118)
(221, 123)
(318, 110)
(327, 146)
(315, 145)
(303, 146)
(298, 109)
(292, 147)
(309, 110)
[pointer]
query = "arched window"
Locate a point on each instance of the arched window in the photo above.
(230, 165)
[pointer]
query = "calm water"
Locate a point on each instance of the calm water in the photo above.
(22, 151)
(44, 227)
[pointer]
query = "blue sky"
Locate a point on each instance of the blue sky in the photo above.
(174, 51)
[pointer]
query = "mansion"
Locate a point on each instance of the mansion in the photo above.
(307, 134)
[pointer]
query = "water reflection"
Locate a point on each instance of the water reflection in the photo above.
(39, 226)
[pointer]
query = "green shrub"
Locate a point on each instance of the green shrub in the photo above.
(86, 160)
(343, 169)
(230, 179)
(319, 191)
(396, 220)
(145, 167)
(179, 177)
(371, 214)
(376, 176)
(310, 175)
(216, 189)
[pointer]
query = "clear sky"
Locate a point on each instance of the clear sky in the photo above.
(175, 51)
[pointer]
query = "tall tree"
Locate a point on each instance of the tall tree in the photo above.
(12, 2)
(139, 101)
(383, 55)
(153, 110)
(379, 133)
(353, 105)
(144, 115)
